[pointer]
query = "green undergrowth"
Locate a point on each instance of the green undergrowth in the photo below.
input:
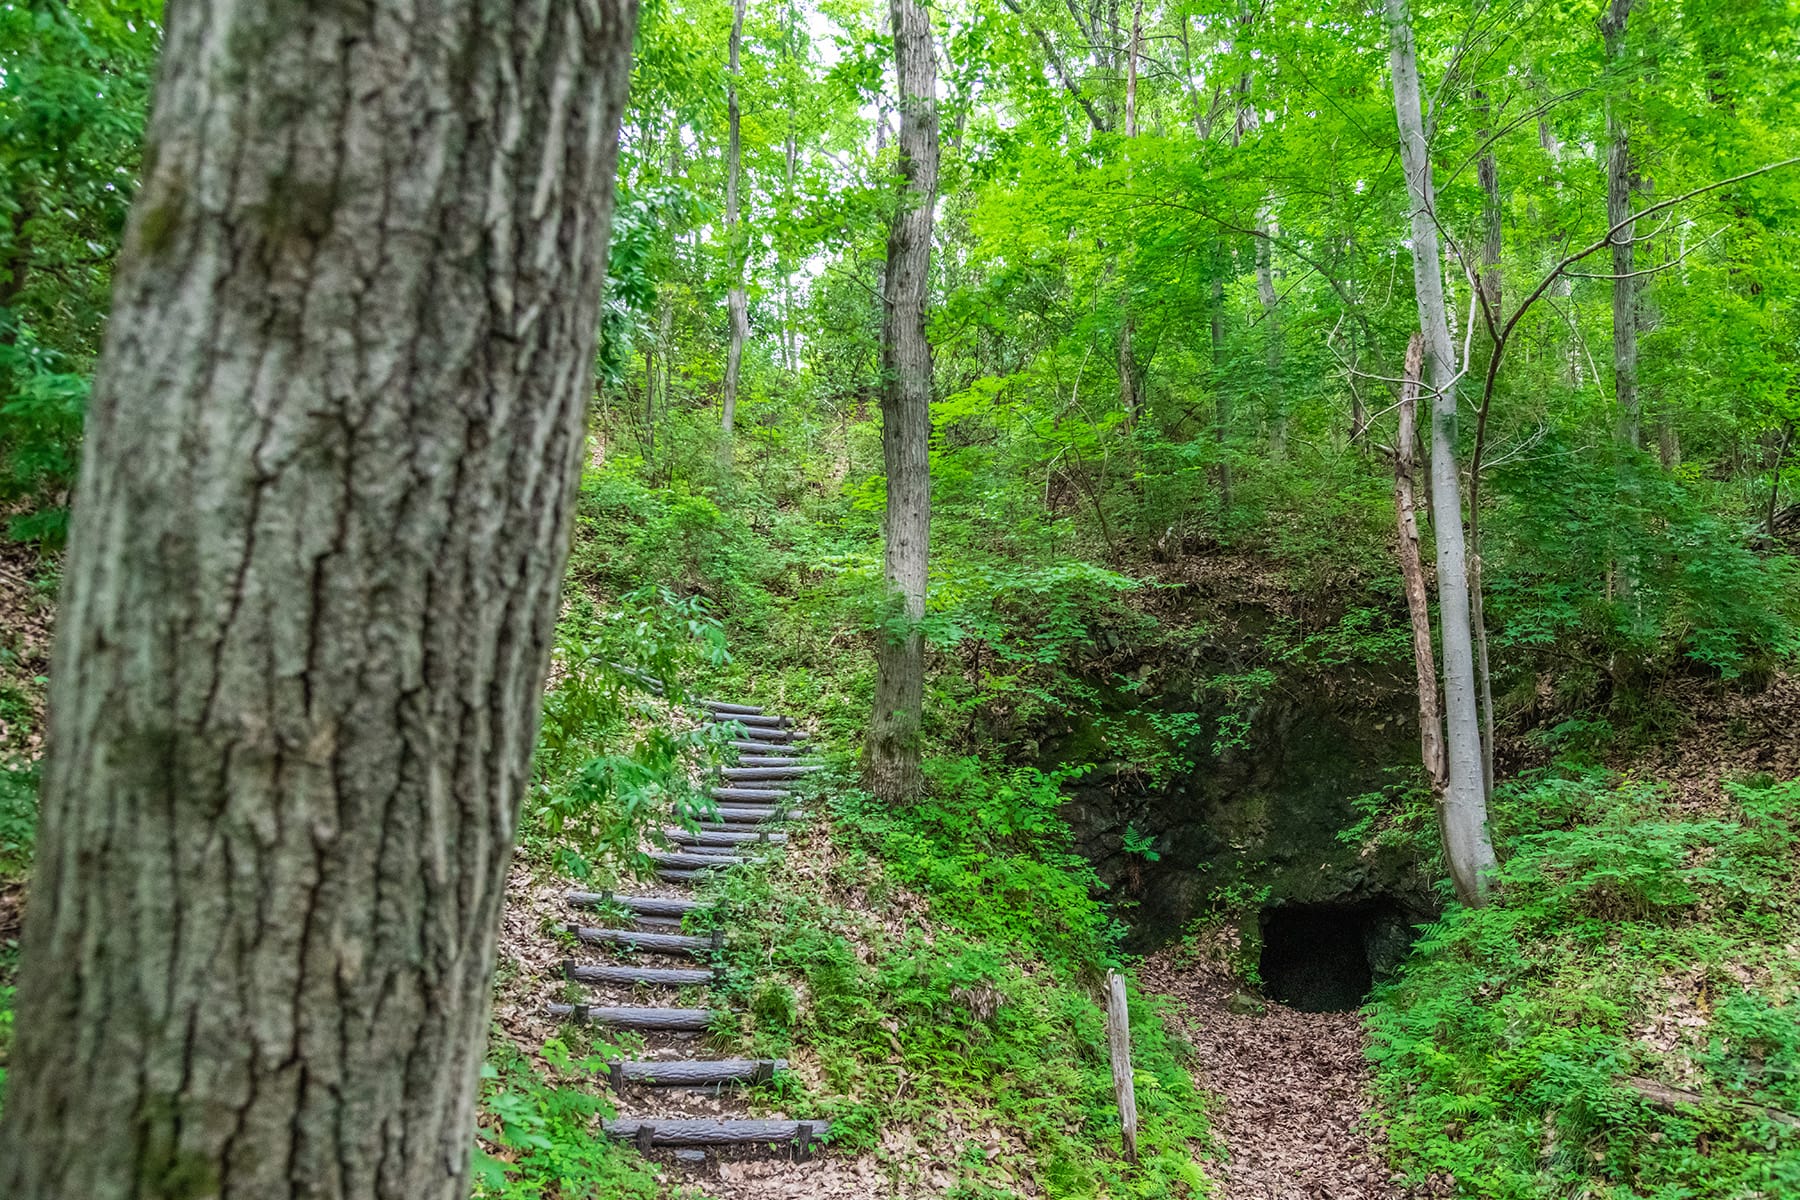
(933, 975)
(536, 1136)
(1624, 1021)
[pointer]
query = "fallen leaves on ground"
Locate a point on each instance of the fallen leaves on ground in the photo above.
(1292, 1091)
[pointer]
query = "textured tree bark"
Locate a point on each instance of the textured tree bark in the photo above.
(737, 301)
(1487, 172)
(309, 598)
(1222, 394)
(1265, 292)
(1493, 300)
(1129, 397)
(1618, 211)
(1464, 805)
(891, 760)
(1412, 571)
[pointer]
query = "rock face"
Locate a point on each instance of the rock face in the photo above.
(1263, 813)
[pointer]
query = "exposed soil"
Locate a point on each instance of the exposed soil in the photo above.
(25, 627)
(1292, 1089)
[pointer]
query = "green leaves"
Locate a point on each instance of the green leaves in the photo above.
(536, 1134)
(1638, 943)
(74, 78)
(608, 767)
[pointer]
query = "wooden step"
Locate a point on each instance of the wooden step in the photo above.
(740, 710)
(739, 813)
(620, 1017)
(661, 976)
(768, 737)
(685, 878)
(701, 1073)
(734, 827)
(655, 906)
(725, 837)
(716, 1132)
(775, 760)
(757, 814)
(689, 861)
(753, 774)
(766, 747)
(673, 923)
(753, 720)
(638, 939)
(751, 795)
(716, 853)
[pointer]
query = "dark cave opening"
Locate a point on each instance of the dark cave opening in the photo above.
(1326, 957)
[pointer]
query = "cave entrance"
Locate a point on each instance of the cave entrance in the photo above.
(1326, 957)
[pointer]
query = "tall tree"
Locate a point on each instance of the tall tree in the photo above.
(737, 302)
(1412, 568)
(891, 762)
(1618, 218)
(309, 598)
(1462, 805)
(1130, 391)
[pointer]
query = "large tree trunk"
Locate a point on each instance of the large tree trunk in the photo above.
(892, 760)
(309, 598)
(1463, 807)
(1412, 571)
(737, 300)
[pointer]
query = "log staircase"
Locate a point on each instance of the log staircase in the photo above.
(671, 1096)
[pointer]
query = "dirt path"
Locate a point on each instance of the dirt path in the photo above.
(1292, 1086)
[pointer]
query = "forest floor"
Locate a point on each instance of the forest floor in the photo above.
(1291, 1091)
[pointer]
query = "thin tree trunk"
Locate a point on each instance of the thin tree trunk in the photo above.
(1265, 292)
(649, 402)
(1492, 231)
(891, 762)
(1412, 572)
(1493, 298)
(790, 357)
(1781, 453)
(1483, 676)
(1618, 210)
(737, 300)
(1464, 807)
(309, 599)
(1222, 395)
(665, 315)
(790, 354)
(1129, 397)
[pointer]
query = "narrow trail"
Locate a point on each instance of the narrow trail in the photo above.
(643, 968)
(1293, 1088)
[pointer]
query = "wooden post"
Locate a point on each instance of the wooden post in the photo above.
(1118, 1040)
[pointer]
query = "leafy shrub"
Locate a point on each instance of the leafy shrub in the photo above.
(1645, 945)
(970, 1024)
(18, 818)
(990, 846)
(608, 767)
(1697, 588)
(536, 1133)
